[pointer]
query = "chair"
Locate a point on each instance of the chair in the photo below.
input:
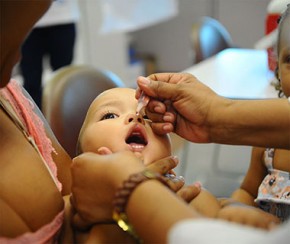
(67, 97)
(208, 37)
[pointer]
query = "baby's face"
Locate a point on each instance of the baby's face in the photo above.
(112, 122)
(284, 57)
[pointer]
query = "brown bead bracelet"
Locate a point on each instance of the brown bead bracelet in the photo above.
(123, 194)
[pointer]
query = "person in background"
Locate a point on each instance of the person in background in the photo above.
(53, 36)
(267, 182)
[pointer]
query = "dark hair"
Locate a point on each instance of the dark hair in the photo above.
(281, 23)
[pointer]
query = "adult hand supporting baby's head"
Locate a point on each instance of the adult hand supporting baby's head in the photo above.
(96, 179)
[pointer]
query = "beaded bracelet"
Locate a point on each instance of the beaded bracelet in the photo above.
(122, 196)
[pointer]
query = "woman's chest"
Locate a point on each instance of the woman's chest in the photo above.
(26, 184)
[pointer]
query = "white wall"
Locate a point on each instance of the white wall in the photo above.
(103, 51)
(169, 41)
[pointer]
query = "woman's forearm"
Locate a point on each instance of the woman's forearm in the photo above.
(252, 122)
(151, 204)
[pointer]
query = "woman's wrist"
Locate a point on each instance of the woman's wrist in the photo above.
(219, 119)
(124, 193)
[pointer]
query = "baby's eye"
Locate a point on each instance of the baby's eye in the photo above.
(109, 116)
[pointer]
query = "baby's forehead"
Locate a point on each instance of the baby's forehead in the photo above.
(115, 93)
(113, 97)
(117, 90)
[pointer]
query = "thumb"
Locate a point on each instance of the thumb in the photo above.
(104, 151)
(157, 89)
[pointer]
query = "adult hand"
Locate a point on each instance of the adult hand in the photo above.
(178, 103)
(189, 192)
(96, 179)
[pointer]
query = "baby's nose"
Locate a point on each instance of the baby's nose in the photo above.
(135, 118)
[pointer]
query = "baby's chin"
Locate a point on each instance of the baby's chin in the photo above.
(147, 160)
(140, 155)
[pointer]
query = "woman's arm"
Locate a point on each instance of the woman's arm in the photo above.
(96, 180)
(151, 204)
(251, 122)
(182, 104)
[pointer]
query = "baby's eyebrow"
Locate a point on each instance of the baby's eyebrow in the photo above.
(113, 103)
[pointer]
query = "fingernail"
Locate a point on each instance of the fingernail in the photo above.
(157, 109)
(144, 81)
(197, 184)
(181, 178)
(178, 178)
(167, 128)
(175, 159)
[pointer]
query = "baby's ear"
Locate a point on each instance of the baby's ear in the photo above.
(104, 151)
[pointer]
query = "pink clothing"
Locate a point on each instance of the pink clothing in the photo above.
(21, 111)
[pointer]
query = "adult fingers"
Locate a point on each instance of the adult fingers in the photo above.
(189, 192)
(164, 165)
(157, 89)
(175, 182)
(162, 128)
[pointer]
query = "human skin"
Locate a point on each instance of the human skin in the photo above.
(112, 122)
(40, 199)
(180, 103)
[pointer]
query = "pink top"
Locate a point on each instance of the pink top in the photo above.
(32, 127)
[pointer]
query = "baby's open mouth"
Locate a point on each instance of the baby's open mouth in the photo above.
(137, 138)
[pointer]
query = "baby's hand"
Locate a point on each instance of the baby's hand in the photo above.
(248, 215)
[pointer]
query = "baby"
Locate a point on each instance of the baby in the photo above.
(112, 125)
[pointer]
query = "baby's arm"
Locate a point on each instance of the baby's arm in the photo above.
(240, 207)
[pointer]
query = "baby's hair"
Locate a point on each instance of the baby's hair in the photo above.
(281, 23)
